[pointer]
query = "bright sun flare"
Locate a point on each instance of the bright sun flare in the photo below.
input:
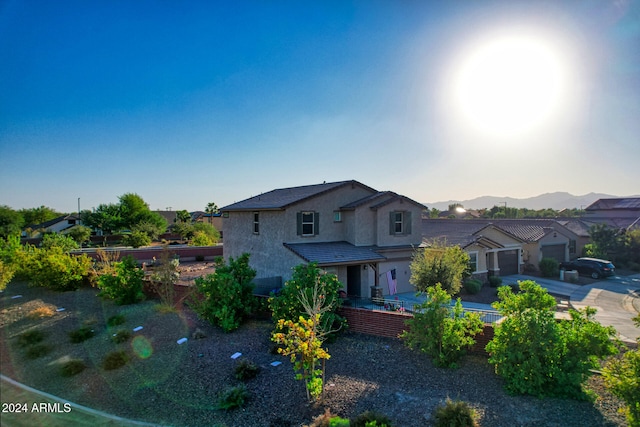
(510, 84)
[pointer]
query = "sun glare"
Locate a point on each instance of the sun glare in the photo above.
(509, 84)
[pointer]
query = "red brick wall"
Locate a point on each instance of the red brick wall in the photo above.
(391, 324)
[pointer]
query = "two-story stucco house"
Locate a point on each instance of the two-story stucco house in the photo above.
(349, 229)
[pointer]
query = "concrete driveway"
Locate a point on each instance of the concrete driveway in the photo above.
(617, 300)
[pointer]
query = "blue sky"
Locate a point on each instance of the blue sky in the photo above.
(187, 103)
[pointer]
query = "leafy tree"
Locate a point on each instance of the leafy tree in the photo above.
(200, 238)
(622, 376)
(106, 217)
(183, 216)
(225, 297)
(605, 241)
(34, 216)
(11, 222)
(447, 265)
(80, 234)
(125, 286)
(540, 356)
(289, 304)
(441, 330)
(62, 241)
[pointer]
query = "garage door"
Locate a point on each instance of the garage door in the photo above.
(553, 251)
(508, 262)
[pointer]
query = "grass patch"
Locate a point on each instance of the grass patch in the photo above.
(121, 336)
(38, 350)
(72, 367)
(115, 360)
(116, 320)
(30, 338)
(41, 313)
(81, 334)
(165, 308)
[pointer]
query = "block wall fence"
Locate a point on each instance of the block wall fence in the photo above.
(391, 324)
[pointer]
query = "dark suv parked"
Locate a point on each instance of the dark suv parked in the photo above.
(593, 267)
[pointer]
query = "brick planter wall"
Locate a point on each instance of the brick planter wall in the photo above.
(391, 324)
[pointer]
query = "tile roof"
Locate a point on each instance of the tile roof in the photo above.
(284, 197)
(454, 232)
(333, 253)
(620, 203)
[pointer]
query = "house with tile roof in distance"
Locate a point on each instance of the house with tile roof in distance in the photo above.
(347, 228)
(622, 213)
(505, 246)
(62, 224)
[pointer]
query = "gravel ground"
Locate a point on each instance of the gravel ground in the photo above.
(177, 385)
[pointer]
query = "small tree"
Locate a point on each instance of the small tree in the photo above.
(165, 276)
(622, 376)
(80, 234)
(137, 239)
(447, 265)
(201, 239)
(441, 330)
(65, 243)
(226, 297)
(302, 340)
(540, 356)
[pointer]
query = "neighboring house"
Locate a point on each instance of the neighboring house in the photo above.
(168, 215)
(57, 225)
(621, 213)
(492, 251)
(362, 235)
(506, 246)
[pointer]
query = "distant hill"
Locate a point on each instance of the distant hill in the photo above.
(558, 200)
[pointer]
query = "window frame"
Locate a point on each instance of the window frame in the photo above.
(473, 264)
(256, 222)
(307, 223)
(397, 223)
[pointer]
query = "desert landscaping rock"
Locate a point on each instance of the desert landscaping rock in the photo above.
(178, 385)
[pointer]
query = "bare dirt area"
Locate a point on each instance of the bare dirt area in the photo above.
(177, 384)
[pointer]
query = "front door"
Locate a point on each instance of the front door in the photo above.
(353, 280)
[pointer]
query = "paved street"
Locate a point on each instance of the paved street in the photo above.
(617, 299)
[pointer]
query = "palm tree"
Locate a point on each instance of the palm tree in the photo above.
(211, 209)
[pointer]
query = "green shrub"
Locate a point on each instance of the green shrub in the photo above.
(367, 418)
(549, 267)
(115, 360)
(38, 350)
(287, 304)
(6, 274)
(115, 320)
(225, 298)
(30, 338)
(246, 370)
(72, 367)
(539, 356)
(55, 269)
(339, 422)
(447, 265)
(472, 286)
(441, 330)
(455, 414)
(121, 336)
(64, 242)
(125, 287)
(137, 239)
(81, 334)
(495, 281)
(233, 397)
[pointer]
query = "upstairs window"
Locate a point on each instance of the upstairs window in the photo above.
(256, 223)
(337, 216)
(307, 223)
(400, 223)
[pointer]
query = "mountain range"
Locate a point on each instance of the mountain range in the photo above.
(557, 201)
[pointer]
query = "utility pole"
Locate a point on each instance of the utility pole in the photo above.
(505, 209)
